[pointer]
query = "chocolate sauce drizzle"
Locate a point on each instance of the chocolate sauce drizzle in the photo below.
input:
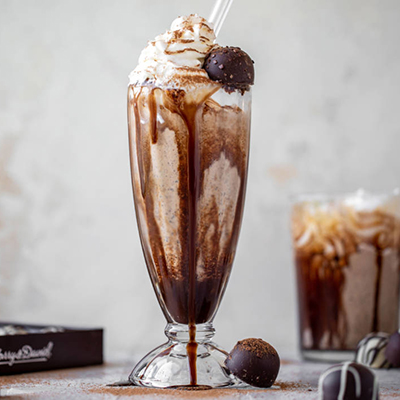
(194, 182)
(379, 262)
(320, 285)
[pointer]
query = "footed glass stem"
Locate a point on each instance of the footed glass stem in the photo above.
(168, 365)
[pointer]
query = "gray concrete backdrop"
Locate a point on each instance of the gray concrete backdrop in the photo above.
(326, 118)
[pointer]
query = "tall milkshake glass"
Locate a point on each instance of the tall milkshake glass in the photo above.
(189, 156)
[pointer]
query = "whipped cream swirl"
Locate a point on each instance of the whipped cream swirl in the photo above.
(175, 58)
(335, 229)
(322, 231)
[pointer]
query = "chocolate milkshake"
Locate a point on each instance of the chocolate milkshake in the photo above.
(347, 261)
(189, 143)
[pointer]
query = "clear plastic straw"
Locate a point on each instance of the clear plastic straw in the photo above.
(219, 13)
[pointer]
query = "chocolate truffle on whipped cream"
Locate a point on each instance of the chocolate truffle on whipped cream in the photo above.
(231, 66)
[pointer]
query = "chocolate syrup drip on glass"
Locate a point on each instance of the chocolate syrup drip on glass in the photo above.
(185, 297)
(194, 181)
(379, 261)
(320, 285)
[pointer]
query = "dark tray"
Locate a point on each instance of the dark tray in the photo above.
(42, 347)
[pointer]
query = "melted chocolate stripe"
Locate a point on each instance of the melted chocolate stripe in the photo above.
(379, 262)
(153, 117)
(139, 142)
(180, 51)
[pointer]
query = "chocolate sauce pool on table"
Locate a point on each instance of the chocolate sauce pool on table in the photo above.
(186, 298)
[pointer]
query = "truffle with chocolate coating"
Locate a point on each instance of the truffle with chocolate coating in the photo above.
(348, 381)
(371, 350)
(255, 362)
(393, 350)
(230, 66)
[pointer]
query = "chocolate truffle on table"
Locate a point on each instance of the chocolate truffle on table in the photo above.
(371, 350)
(392, 352)
(255, 362)
(230, 66)
(348, 381)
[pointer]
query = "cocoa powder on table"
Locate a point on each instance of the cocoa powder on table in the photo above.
(176, 393)
(194, 394)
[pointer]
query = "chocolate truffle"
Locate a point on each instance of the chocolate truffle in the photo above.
(255, 362)
(393, 350)
(371, 350)
(348, 381)
(230, 66)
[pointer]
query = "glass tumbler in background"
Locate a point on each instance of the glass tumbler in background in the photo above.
(346, 250)
(189, 157)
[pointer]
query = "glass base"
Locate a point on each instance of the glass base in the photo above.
(328, 355)
(167, 366)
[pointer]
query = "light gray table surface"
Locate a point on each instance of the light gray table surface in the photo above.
(296, 380)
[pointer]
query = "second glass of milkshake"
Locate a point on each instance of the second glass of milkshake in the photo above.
(347, 256)
(189, 106)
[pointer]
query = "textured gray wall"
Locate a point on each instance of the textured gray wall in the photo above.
(326, 118)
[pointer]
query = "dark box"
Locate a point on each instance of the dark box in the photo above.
(37, 348)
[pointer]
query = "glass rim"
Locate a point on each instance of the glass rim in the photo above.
(189, 89)
(331, 196)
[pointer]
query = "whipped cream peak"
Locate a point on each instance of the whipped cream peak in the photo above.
(175, 58)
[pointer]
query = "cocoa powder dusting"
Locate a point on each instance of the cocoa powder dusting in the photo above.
(257, 346)
(293, 386)
(133, 391)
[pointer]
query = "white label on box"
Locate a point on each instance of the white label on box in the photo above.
(26, 354)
